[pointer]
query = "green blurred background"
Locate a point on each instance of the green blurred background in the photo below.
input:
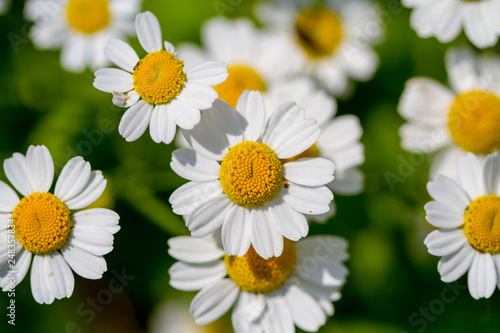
(393, 284)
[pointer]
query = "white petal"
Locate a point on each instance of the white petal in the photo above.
(252, 114)
(83, 263)
(237, 231)
(350, 182)
(322, 248)
(210, 73)
(462, 69)
(74, 54)
(148, 32)
(192, 195)
(94, 240)
(304, 309)
(97, 217)
(21, 266)
(200, 96)
(482, 277)
(121, 54)
(190, 165)
(491, 173)
(8, 198)
(194, 250)
(16, 170)
(478, 27)
(453, 266)
(307, 200)
(113, 79)
(227, 121)
(213, 301)
(267, 240)
(444, 242)
(91, 192)
(40, 168)
(135, 121)
(289, 222)
(184, 115)
(125, 100)
(169, 47)
(309, 171)
(209, 216)
(442, 215)
(189, 277)
(470, 174)
(322, 272)
(288, 133)
(39, 281)
(162, 126)
(73, 178)
(277, 317)
(59, 277)
(445, 190)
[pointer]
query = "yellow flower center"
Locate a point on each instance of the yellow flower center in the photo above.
(88, 16)
(251, 174)
(482, 224)
(159, 77)
(253, 274)
(319, 31)
(312, 151)
(240, 78)
(474, 122)
(42, 223)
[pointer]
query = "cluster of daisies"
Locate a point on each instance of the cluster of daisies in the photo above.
(259, 145)
(459, 127)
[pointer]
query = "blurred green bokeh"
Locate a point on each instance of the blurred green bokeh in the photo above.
(393, 284)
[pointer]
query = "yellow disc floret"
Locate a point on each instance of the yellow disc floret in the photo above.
(159, 77)
(251, 174)
(319, 31)
(88, 16)
(312, 151)
(474, 122)
(482, 224)
(42, 223)
(253, 274)
(240, 78)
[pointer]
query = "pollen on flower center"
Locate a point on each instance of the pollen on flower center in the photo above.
(253, 274)
(159, 77)
(319, 31)
(88, 16)
(42, 223)
(240, 78)
(251, 174)
(474, 122)
(482, 224)
(312, 151)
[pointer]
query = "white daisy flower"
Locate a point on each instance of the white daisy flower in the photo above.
(334, 41)
(466, 212)
(465, 118)
(158, 91)
(44, 227)
(237, 176)
(444, 20)
(274, 295)
(255, 59)
(4, 6)
(80, 28)
(339, 139)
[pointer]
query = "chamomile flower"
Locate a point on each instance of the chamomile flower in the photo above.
(4, 6)
(466, 212)
(80, 28)
(444, 19)
(465, 118)
(45, 227)
(334, 41)
(237, 174)
(339, 139)
(273, 295)
(255, 59)
(157, 89)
